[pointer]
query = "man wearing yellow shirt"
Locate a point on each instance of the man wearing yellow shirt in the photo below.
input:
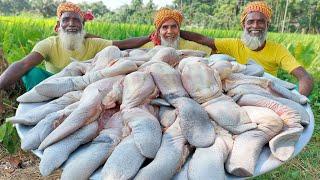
(255, 21)
(167, 23)
(57, 50)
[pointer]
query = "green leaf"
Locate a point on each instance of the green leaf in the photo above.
(3, 129)
(295, 174)
(10, 140)
(9, 127)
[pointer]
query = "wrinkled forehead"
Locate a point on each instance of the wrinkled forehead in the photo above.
(169, 22)
(256, 16)
(72, 15)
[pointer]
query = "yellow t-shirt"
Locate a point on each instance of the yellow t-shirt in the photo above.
(185, 44)
(272, 57)
(56, 57)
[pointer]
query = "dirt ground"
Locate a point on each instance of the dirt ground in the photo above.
(22, 166)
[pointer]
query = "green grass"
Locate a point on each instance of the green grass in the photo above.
(18, 35)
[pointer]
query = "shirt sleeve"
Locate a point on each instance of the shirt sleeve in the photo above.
(100, 43)
(285, 60)
(225, 46)
(43, 47)
(148, 45)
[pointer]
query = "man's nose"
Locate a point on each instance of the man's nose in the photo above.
(255, 24)
(170, 29)
(72, 22)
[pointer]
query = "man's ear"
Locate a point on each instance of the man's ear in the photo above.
(56, 27)
(242, 24)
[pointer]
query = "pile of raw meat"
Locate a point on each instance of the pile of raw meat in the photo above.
(159, 114)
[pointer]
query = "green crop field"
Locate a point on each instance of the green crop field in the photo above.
(18, 35)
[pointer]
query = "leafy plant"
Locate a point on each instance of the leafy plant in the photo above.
(9, 137)
(304, 53)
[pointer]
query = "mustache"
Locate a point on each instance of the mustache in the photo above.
(168, 42)
(253, 42)
(71, 40)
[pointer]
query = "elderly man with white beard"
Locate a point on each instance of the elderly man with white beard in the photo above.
(167, 23)
(255, 20)
(57, 51)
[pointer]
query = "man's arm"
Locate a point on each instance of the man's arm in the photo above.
(131, 43)
(88, 35)
(198, 38)
(305, 80)
(16, 70)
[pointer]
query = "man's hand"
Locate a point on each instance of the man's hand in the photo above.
(305, 80)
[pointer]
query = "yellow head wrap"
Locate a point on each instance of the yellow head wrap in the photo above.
(163, 14)
(257, 6)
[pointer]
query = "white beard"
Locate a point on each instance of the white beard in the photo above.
(253, 42)
(170, 43)
(71, 41)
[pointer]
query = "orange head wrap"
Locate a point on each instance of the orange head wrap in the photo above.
(70, 7)
(257, 6)
(163, 14)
